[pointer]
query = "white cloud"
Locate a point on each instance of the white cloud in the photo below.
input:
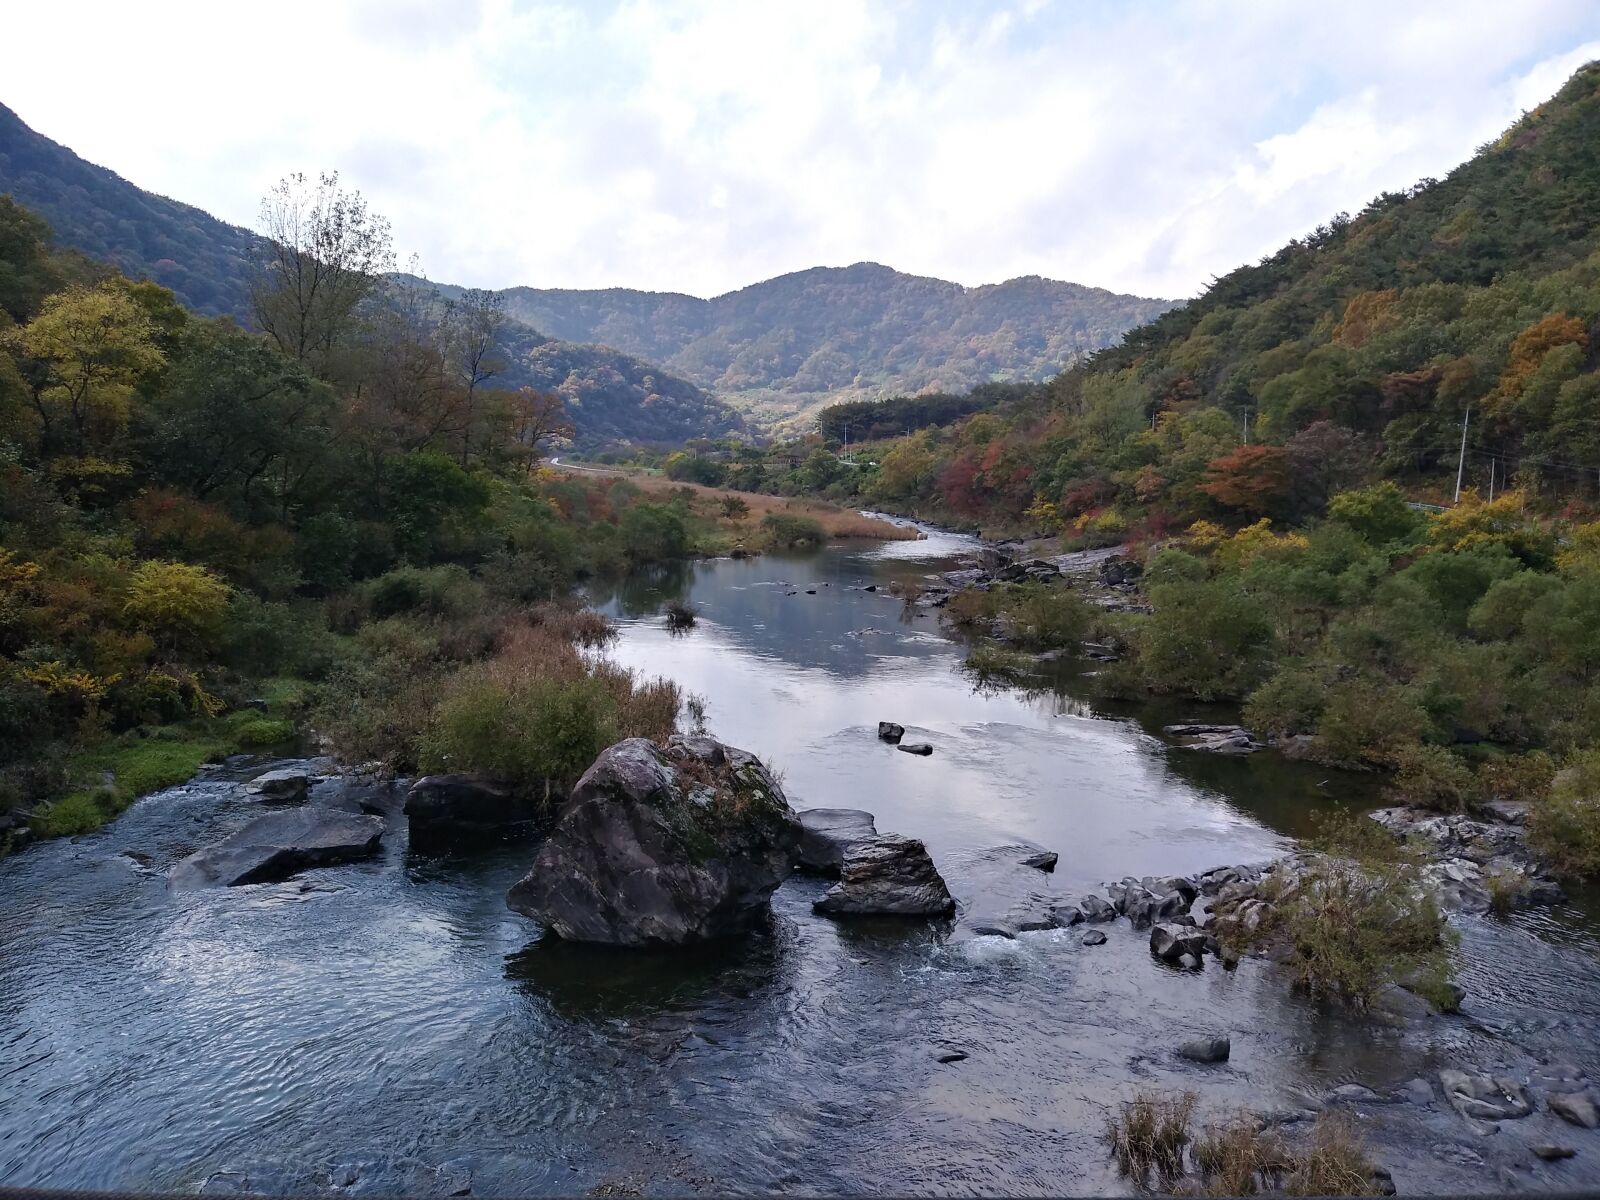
(701, 146)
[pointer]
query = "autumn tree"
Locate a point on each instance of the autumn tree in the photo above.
(534, 416)
(91, 346)
(475, 320)
(321, 254)
(1253, 479)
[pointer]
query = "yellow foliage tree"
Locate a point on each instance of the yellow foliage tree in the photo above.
(177, 603)
(95, 344)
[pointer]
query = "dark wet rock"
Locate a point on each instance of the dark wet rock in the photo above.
(286, 785)
(277, 845)
(921, 748)
(1045, 860)
(811, 591)
(1551, 1151)
(1118, 570)
(1170, 942)
(993, 929)
(1147, 902)
(1214, 739)
(826, 835)
(663, 847)
(890, 875)
(445, 808)
(1575, 1108)
(953, 1056)
(354, 794)
(871, 587)
(1207, 1049)
(1096, 909)
(138, 858)
(390, 1175)
(1065, 916)
(888, 731)
(1485, 1097)
(1094, 938)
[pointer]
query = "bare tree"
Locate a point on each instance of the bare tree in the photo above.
(535, 416)
(321, 253)
(476, 319)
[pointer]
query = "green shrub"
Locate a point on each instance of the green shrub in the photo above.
(447, 591)
(654, 533)
(1379, 514)
(326, 551)
(538, 734)
(1432, 777)
(263, 731)
(1046, 618)
(1209, 640)
(792, 532)
(69, 816)
(1564, 827)
(1366, 723)
(1289, 703)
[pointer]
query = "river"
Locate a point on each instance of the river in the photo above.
(396, 1011)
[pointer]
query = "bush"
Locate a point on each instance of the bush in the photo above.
(1365, 723)
(1289, 703)
(265, 638)
(263, 731)
(1046, 618)
(326, 551)
(1432, 777)
(539, 735)
(1565, 826)
(1209, 640)
(71, 815)
(789, 531)
(447, 591)
(654, 533)
(180, 604)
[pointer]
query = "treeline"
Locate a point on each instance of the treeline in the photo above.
(197, 521)
(872, 420)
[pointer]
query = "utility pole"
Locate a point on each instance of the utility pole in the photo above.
(1461, 462)
(1246, 415)
(1491, 480)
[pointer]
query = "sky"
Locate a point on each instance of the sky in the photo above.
(703, 145)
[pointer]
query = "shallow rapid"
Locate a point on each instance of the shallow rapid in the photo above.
(395, 1010)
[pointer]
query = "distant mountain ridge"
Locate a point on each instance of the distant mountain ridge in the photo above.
(778, 349)
(862, 329)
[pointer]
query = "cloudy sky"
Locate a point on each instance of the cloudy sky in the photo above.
(704, 145)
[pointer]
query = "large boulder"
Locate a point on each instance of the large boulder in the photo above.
(1485, 1097)
(827, 834)
(890, 876)
(446, 808)
(663, 847)
(277, 845)
(1170, 942)
(286, 785)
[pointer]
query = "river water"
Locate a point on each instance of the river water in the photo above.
(395, 1010)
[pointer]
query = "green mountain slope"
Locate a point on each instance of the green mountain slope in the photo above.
(851, 331)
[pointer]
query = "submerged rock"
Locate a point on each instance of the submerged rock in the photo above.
(1214, 739)
(1094, 938)
(1207, 1050)
(892, 876)
(286, 785)
(827, 834)
(277, 845)
(444, 808)
(663, 847)
(1045, 860)
(921, 748)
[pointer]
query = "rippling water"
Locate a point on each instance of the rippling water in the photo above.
(149, 1040)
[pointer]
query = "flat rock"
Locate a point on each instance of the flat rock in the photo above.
(1575, 1108)
(890, 875)
(286, 785)
(276, 845)
(1551, 1152)
(1094, 938)
(662, 847)
(921, 748)
(826, 835)
(1206, 1050)
(1485, 1097)
(446, 808)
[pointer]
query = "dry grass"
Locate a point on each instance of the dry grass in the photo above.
(836, 522)
(1334, 1164)
(1238, 1157)
(1150, 1133)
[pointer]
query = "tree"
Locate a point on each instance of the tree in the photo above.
(535, 416)
(182, 605)
(93, 345)
(1253, 479)
(476, 320)
(321, 254)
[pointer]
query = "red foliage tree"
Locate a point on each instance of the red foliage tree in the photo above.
(1253, 479)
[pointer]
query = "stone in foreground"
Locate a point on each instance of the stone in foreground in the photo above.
(663, 847)
(277, 845)
(890, 876)
(827, 834)
(1170, 942)
(444, 808)
(890, 732)
(286, 785)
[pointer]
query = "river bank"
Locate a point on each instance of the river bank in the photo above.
(390, 1019)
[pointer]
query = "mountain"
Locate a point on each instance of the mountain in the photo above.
(611, 395)
(1358, 352)
(783, 346)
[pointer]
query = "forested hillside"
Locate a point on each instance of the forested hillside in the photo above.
(1352, 354)
(784, 345)
(611, 396)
